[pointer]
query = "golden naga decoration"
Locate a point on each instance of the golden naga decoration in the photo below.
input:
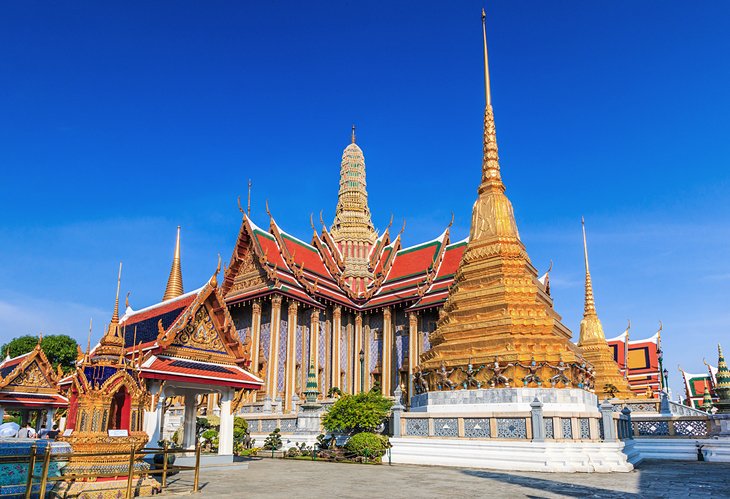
(592, 342)
(107, 399)
(174, 282)
(497, 311)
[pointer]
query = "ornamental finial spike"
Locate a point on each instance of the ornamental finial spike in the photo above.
(174, 281)
(491, 176)
(590, 303)
(353, 133)
(115, 315)
(487, 88)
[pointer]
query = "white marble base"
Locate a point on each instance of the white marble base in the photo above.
(684, 449)
(564, 457)
(507, 400)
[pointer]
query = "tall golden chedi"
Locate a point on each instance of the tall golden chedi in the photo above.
(497, 308)
(592, 342)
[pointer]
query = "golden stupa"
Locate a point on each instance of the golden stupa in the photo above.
(497, 310)
(592, 343)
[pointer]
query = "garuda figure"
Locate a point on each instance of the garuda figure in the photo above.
(420, 385)
(560, 377)
(442, 378)
(471, 376)
(498, 378)
(531, 376)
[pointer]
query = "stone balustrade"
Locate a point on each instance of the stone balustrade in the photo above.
(671, 427)
(513, 426)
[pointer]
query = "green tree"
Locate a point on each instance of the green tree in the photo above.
(357, 413)
(59, 348)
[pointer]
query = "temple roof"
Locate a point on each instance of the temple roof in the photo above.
(29, 380)
(274, 261)
(187, 338)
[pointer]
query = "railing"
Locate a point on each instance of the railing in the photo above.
(37, 484)
(267, 424)
(672, 427)
(548, 426)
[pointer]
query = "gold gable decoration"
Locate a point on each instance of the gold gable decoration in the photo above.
(200, 333)
(31, 377)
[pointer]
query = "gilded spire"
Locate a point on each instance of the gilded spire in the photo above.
(174, 282)
(353, 230)
(590, 302)
(487, 89)
(491, 177)
(115, 315)
(492, 215)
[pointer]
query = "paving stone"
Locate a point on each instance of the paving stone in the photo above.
(293, 478)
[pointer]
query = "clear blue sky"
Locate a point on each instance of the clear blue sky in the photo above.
(121, 120)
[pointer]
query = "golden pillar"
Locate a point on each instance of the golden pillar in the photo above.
(272, 372)
(290, 372)
(255, 335)
(314, 343)
(336, 334)
(366, 339)
(387, 368)
(412, 349)
(358, 367)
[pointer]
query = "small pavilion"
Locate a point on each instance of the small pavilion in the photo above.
(29, 384)
(186, 346)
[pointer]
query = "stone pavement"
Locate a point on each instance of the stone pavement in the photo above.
(293, 478)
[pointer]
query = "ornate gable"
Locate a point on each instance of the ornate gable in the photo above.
(246, 270)
(204, 331)
(31, 376)
(34, 373)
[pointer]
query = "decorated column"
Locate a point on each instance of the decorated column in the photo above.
(225, 436)
(272, 371)
(314, 340)
(412, 350)
(336, 334)
(291, 357)
(387, 351)
(358, 364)
(255, 335)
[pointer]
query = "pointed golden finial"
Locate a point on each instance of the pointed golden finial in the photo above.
(353, 133)
(491, 176)
(174, 286)
(88, 341)
(248, 207)
(590, 303)
(115, 315)
(487, 88)
(126, 300)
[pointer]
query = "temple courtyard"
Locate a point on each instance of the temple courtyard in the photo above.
(295, 478)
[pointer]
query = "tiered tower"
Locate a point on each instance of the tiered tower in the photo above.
(722, 385)
(592, 342)
(496, 308)
(352, 230)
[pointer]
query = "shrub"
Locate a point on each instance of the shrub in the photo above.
(368, 444)
(273, 441)
(357, 413)
(293, 452)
